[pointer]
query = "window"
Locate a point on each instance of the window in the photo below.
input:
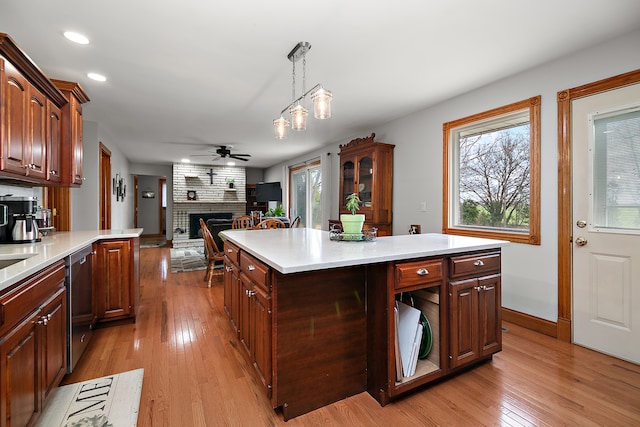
(615, 162)
(306, 189)
(492, 174)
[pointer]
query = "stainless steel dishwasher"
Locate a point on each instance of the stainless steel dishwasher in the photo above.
(81, 317)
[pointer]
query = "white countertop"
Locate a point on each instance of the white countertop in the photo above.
(51, 249)
(294, 250)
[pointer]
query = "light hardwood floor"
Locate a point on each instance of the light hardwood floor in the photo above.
(195, 374)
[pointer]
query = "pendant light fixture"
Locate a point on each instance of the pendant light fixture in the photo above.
(320, 97)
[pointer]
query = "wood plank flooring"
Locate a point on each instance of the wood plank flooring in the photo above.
(195, 374)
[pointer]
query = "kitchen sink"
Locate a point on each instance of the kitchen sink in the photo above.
(7, 260)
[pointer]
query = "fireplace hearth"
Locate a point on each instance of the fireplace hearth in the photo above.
(223, 219)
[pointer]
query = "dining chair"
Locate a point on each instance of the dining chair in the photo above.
(296, 222)
(243, 221)
(269, 223)
(212, 252)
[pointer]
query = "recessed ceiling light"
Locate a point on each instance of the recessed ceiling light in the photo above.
(97, 77)
(76, 37)
(185, 161)
(231, 163)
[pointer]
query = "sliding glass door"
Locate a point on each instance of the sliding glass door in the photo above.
(305, 194)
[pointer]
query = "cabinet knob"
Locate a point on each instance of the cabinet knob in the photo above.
(479, 263)
(250, 267)
(422, 272)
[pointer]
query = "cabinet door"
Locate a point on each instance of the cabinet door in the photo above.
(53, 142)
(227, 287)
(113, 291)
(14, 103)
(347, 186)
(365, 180)
(53, 351)
(261, 336)
(490, 318)
(18, 350)
(244, 316)
(76, 142)
(37, 134)
(464, 340)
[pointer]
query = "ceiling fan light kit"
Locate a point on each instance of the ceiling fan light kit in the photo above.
(320, 97)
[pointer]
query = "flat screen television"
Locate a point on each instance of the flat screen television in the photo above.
(268, 192)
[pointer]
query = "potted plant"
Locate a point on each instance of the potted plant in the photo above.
(278, 211)
(230, 182)
(352, 223)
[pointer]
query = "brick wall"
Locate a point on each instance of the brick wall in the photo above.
(210, 197)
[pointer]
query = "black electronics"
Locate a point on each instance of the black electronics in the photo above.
(268, 192)
(18, 222)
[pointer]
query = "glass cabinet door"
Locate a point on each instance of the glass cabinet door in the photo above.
(348, 182)
(365, 180)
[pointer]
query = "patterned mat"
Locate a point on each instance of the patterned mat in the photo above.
(113, 400)
(189, 259)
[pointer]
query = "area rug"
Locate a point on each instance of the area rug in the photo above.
(111, 401)
(187, 259)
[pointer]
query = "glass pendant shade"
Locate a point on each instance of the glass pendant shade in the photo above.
(321, 103)
(298, 117)
(280, 126)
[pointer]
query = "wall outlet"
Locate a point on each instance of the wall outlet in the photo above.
(423, 206)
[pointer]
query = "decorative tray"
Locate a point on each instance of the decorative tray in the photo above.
(368, 235)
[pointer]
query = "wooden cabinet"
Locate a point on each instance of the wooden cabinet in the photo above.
(116, 279)
(252, 204)
(54, 141)
(25, 99)
(366, 168)
(33, 351)
(232, 285)
(71, 130)
(460, 298)
(255, 316)
(475, 299)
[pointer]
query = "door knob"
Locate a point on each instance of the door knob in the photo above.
(581, 241)
(581, 223)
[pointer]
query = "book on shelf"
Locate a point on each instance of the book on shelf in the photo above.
(397, 345)
(408, 325)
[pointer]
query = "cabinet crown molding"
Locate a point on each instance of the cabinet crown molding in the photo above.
(11, 52)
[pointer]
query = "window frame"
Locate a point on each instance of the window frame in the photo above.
(531, 237)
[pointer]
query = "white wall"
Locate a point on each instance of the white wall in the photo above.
(529, 271)
(85, 206)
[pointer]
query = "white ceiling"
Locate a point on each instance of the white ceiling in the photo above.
(184, 75)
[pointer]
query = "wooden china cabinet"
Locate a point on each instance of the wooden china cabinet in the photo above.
(366, 168)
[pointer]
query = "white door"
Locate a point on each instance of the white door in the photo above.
(606, 222)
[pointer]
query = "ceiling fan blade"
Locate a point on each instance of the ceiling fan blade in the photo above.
(235, 156)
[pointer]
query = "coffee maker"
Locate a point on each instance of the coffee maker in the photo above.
(18, 222)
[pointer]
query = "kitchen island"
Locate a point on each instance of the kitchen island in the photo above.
(315, 316)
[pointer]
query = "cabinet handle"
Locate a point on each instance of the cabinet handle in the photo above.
(250, 267)
(249, 293)
(229, 250)
(479, 263)
(422, 272)
(477, 288)
(228, 268)
(53, 172)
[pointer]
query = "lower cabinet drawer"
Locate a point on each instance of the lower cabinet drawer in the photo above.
(414, 273)
(256, 270)
(473, 264)
(232, 252)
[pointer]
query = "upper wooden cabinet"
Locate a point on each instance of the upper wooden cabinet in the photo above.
(71, 147)
(366, 168)
(41, 124)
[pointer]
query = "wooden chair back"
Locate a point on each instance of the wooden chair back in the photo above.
(213, 253)
(269, 223)
(296, 222)
(243, 221)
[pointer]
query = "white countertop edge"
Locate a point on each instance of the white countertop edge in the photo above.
(279, 250)
(51, 249)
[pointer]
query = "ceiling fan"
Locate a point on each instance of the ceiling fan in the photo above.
(224, 151)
